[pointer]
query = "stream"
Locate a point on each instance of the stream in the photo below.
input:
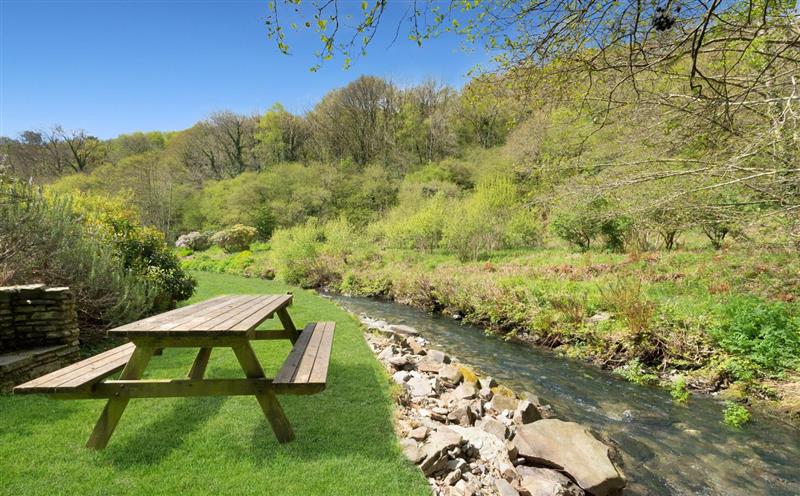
(665, 448)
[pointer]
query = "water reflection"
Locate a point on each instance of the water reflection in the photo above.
(665, 448)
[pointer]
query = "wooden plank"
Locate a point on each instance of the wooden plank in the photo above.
(98, 366)
(200, 364)
(179, 388)
(176, 313)
(289, 366)
(115, 407)
(262, 314)
(267, 400)
(206, 314)
(319, 373)
(288, 324)
(224, 321)
(307, 362)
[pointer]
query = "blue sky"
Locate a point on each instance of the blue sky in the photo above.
(112, 67)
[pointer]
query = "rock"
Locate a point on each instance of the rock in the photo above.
(462, 415)
(419, 434)
(387, 353)
(414, 345)
(419, 387)
(436, 449)
(547, 482)
(398, 362)
(450, 374)
(452, 477)
(429, 367)
(457, 464)
(464, 391)
(412, 451)
(486, 382)
(502, 402)
(404, 330)
(526, 413)
(437, 356)
(504, 488)
(507, 471)
(599, 317)
(497, 429)
(486, 393)
(489, 447)
(569, 446)
(401, 377)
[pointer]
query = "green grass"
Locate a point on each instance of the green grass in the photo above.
(345, 443)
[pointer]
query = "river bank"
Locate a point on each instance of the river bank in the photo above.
(472, 437)
(665, 448)
(724, 323)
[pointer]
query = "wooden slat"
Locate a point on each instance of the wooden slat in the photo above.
(224, 322)
(172, 314)
(319, 374)
(262, 314)
(307, 362)
(205, 314)
(209, 320)
(81, 373)
(289, 367)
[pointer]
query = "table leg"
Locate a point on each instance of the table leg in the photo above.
(267, 399)
(198, 369)
(288, 325)
(114, 408)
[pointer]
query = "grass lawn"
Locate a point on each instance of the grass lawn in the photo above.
(345, 443)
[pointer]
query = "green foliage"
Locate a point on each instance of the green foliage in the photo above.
(236, 238)
(295, 252)
(420, 228)
(264, 221)
(678, 390)
(763, 332)
(635, 372)
(578, 228)
(142, 250)
(735, 414)
(47, 239)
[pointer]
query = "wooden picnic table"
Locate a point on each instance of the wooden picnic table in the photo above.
(225, 321)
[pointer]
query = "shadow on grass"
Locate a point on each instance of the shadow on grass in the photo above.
(153, 442)
(352, 416)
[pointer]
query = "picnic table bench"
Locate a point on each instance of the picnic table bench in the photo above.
(225, 321)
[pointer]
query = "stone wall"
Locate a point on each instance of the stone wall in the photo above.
(38, 332)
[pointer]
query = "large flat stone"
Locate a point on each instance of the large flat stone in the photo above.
(570, 447)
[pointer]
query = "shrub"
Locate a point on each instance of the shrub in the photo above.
(678, 390)
(634, 372)
(195, 241)
(627, 298)
(264, 221)
(577, 228)
(237, 238)
(522, 230)
(763, 332)
(295, 251)
(616, 230)
(419, 229)
(143, 250)
(735, 415)
(45, 239)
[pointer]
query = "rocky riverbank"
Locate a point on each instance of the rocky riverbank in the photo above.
(473, 437)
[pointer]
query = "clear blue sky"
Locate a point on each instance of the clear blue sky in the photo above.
(112, 67)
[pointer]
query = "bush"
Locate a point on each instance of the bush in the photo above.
(577, 228)
(143, 250)
(295, 251)
(195, 241)
(420, 228)
(763, 332)
(735, 414)
(237, 238)
(678, 390)
(46, 239)
(616, 231)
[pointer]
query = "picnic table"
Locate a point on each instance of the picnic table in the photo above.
(225, 321)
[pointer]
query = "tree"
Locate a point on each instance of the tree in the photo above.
(719, 73)
(280, 136)
(221, 146)
(356, 122)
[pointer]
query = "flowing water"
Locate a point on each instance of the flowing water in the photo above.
(665, 448)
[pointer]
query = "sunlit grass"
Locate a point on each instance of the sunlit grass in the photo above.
(344, 443)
